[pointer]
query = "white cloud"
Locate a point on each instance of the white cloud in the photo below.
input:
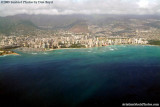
(84, 7)
(143, 4)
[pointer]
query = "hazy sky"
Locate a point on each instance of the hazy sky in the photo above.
(83, 7)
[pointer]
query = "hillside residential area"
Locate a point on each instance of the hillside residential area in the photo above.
(77, 31)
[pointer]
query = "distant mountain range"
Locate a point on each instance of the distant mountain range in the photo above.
(24, 23)
(8, 26)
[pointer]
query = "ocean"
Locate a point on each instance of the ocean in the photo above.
(100, 76)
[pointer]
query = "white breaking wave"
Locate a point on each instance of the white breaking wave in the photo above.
(3, 56)
(45, 53)
(34, 53)
(112, 49)
(123, 46)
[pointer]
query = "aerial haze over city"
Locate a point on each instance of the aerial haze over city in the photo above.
(79, 53)
(59, 7)
(74, 23)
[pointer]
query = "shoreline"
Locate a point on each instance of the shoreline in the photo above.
(48, 50)
(14, 53)
(102, 46)
(4, 52)
(10, 54)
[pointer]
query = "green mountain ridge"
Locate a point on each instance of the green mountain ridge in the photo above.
(24, 24)
(9, 26)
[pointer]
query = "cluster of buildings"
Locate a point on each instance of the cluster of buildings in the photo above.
(115, 32)
(66, 40)
(136, 28)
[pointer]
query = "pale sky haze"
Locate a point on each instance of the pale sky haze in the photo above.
(138, 7)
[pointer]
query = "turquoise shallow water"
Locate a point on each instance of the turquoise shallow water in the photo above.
(81, 77)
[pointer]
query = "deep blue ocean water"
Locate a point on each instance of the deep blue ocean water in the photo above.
(81, 77)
